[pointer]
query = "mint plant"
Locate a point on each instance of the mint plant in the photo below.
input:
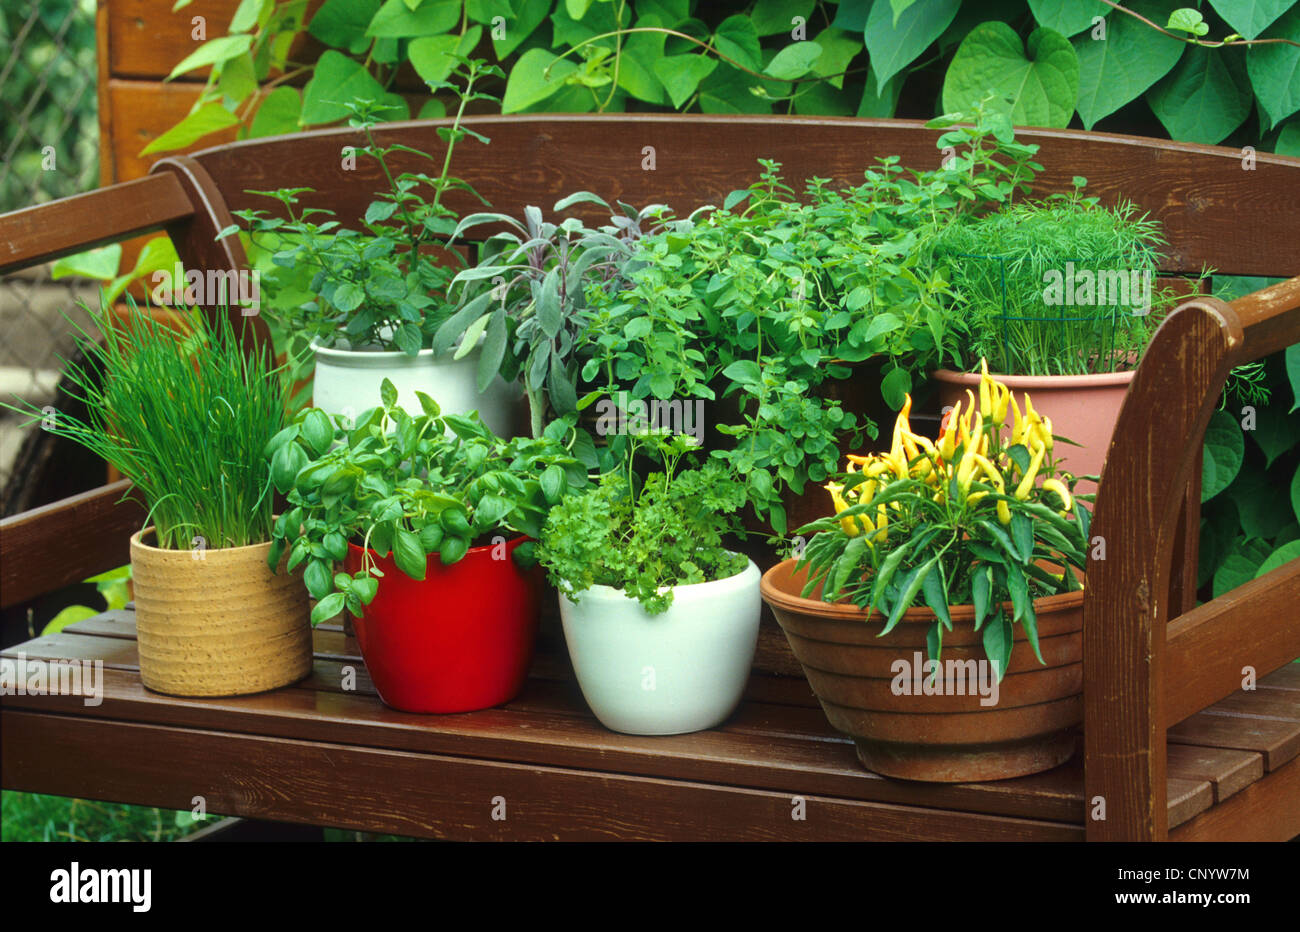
(407, 485)
(383, 286)
(644, 537)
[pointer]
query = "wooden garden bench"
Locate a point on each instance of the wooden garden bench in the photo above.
(1171, 745)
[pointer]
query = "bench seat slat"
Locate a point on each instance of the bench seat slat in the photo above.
(765, 746)
(1226, 770)
(1278, 741)
(431, 795)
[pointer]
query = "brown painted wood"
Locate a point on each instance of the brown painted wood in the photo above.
(147, 40)
(444, 797)
(140, 112)
(1226, 770)
(1137, 682)
(1128, 597)
(763, 745)
(65, 542)
(104, 115)
(195, 239)
(1287, 677)
(1187, 798)
(1277, 740)
(535, 159)
(1260, 703)
(84, 221)
(1206, 654)
(1270, 319)
(1267, 810)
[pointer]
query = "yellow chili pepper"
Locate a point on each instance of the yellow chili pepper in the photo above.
(966, 470)
(1018, 424)
(948, 435)
(1045, 433)
(990, 473)
(1001, 403)
(1057, 486)
(966, 418)
(986, 401)
(1022, 490)
(851, 527)
(1004, 512)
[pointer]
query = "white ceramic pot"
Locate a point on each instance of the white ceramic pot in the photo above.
(668, 674)
(347, 382)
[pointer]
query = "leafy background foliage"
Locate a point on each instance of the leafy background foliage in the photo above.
(871, 58)
(1250, 481)
(47, 96)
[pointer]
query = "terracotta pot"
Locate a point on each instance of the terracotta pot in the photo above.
(1083, 408)
(217, 622)
(871, 689)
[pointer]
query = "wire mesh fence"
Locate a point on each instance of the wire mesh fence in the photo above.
(49, 138)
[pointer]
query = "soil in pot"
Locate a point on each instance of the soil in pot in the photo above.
(459, 640)
(962, 727)
(217, 622)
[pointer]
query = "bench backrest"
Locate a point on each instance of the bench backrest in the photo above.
(1220, 209)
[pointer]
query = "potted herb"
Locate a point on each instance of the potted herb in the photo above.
(419, 526)
(180, 416)
(799, 318)
(362, 305)
(938, 615)
(661, 620)
(538, 274)
(1059, 296)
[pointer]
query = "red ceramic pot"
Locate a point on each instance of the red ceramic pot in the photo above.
(460, 640)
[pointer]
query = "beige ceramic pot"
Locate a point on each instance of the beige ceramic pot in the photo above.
(1083, 408)
(217, 622)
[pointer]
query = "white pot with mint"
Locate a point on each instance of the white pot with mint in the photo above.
(347, 382)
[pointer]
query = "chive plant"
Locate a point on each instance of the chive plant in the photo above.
(1059, 286)
(185, 417)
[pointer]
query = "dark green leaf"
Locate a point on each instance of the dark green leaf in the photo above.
(999, 639)
(407, 553)
(327, 608)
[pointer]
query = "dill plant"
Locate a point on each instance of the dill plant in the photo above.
(1002, 266)
(185, 417)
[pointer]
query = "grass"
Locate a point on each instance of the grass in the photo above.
(39, 817)
(1003, 266)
